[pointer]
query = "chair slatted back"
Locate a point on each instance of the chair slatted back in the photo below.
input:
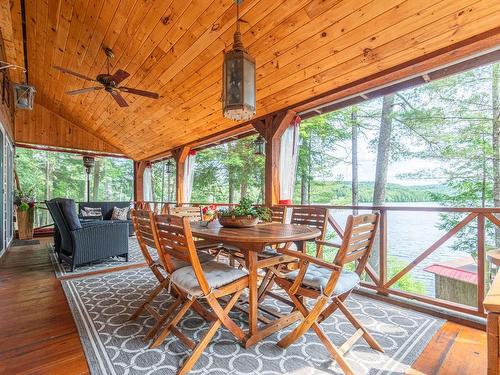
(165, 208)
(279, 214)
(312, 216)
(193, 213)
(176, 242)
(358, 240)
(146, 236)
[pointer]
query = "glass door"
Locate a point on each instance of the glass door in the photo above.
(9, 201)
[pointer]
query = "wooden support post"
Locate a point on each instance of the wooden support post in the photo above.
(271, 128)
(180, 155)
(139, 167)
(382, 252)
(480, 262)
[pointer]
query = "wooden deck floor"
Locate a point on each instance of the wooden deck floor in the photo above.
(38, 335)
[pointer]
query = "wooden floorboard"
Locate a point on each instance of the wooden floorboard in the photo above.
(38, 334)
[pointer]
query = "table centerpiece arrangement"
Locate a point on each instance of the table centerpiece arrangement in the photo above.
(244, 215)
(208, 214)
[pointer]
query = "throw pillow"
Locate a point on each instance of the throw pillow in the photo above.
(119, 213)
(68, 208)
(91, 211)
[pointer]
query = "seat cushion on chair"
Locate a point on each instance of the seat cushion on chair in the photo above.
(317, 277)
(217, 275)
(270, 251)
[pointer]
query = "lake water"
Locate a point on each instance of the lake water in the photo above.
(411, 233)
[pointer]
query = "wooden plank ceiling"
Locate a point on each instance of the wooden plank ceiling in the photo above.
(302, 47)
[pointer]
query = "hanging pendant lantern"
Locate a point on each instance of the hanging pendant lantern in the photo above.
(88, 163)
(169, 167)
(259, 145)
(24, 96)
(238, 79)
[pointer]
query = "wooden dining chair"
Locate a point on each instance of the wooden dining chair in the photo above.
(329, 285)
(193, 212)
(311, 216)
(209, 283)
(315, 217)
(150, 246)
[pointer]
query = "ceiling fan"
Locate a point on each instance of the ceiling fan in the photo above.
(109, 82)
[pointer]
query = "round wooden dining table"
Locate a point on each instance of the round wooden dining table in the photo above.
(251, 241)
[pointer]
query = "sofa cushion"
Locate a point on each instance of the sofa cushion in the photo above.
(120, 213)
(106, 207)
(68, 208)
(317, 277)
(91, 211)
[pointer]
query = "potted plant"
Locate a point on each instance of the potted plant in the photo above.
(25, 213)
(244, 215)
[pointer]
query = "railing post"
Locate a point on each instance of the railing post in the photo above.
(271, 129)
(180, 155)
(139, 167)
(382, 252)
(480, 262)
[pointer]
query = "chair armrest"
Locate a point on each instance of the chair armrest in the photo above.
(310, 259)
(326, 243)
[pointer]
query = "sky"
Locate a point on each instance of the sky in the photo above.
(367, 161)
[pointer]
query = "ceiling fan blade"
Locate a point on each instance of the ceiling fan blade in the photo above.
(118, 98)
(119, 76)
(148, 94)
(64, 70)
(83, 91)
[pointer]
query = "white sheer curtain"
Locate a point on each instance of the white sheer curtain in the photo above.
(147, 184)
(189, 166)
(288, 161)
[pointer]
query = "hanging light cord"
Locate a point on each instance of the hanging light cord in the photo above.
(237, 16)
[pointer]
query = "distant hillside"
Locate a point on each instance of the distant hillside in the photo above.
(329, 192)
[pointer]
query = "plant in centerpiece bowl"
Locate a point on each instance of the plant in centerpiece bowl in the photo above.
(208, 214)
(25, 212)
(244, 215)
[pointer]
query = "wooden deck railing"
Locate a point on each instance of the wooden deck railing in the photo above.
(383, 284)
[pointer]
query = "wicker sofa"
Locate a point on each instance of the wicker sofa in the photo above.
(79, 243)
(107, 211)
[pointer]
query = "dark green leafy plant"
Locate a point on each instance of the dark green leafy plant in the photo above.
(247, 208)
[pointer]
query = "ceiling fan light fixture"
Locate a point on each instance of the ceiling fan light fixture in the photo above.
(238, 79)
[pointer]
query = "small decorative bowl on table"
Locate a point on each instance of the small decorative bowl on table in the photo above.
(238, 221)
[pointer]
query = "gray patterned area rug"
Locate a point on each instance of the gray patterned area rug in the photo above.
(102, 304)
(135, 257)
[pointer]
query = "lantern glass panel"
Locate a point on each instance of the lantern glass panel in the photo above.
(234, 80)
(249, 84)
